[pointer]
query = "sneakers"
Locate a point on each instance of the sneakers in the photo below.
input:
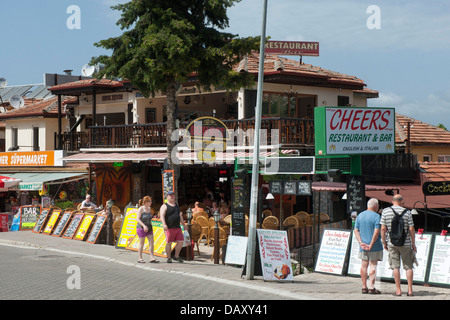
(169, 260)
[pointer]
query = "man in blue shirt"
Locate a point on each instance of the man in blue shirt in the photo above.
(367, 232)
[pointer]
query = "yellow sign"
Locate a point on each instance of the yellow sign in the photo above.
(128, 229)
(84, 226)
(31, 158)
(52, 222)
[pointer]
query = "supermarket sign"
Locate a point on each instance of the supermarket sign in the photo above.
(31, 159)
(349, 130)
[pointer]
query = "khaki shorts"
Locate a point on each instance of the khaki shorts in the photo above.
(371, 256)
(406, 254)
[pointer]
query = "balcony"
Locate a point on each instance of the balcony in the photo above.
(288, 132)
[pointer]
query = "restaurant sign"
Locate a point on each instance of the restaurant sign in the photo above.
(31, 159)
(436, 188)
(350, 130)
(292, 48)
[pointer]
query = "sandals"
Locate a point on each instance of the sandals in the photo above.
(365, 291)
(154, 261)
(374, 291)
(140, 261)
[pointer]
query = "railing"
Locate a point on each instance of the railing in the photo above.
(274, 131)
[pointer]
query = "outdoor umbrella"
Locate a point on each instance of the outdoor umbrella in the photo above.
(7, 182)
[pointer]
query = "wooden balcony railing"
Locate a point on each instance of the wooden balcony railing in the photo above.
(286, 131)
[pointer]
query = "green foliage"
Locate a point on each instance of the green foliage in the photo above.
(166, 42)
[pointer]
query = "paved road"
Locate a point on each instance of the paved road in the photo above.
(41, 274)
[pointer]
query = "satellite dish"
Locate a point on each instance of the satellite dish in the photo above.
(3, 83)
(87, 70)
(16, 101)
(99, 67)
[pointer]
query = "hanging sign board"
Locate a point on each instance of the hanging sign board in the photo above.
(349, 130)
(41, 220)
(436, 188)
(29, 216)
(333, 251)
(289, 165)
(62, 224)
(168, 182)
(356, 194)
(275, 255)
(304, 188)
(292, 48)
(52, 221)
(97, 228)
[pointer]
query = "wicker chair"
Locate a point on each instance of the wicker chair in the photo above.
(203, 222)
(116, 228)
(301, 216)
(324, 218)
(222, 239)
(291, 222)
(266, 213)
(200, 213)
(196, 231)
(271, 222)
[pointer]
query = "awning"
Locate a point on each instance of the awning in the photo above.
(411, 194)
(32, 181)
(342, 187)
(8, 182)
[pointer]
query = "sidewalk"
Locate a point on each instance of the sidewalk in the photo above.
(312, 286)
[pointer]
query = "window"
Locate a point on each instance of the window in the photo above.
(427, 157)
(14, 137)
(35, 138)
(343, 101)
(444, 158)
(279, 105)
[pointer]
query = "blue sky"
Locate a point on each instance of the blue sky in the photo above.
(406, 60)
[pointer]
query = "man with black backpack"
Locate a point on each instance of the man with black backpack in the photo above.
(398, 237)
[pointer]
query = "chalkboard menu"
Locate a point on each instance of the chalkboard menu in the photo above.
(62, 223)
(41, 220)
(276, 187)
(440, 263)
(238, 207)
(73, 226)
(52, 221)
(97, 228)
(167, 182)
(29, 216)
(333, 251)
(356, 194)
(84, 226)
(290, 187)
(304, 188)
(290, 165)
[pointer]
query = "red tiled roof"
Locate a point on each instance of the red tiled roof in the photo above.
(435, 171)
(274, 64)
(41, 108)
(89, 83)
(420, 132)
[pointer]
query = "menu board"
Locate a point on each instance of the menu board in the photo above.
(70, 231)
(97, 227)
(440, 262)
(28, 217)
(423, 245)
(62, 223)
(52, 221)
(236, 250)
(276, 187)
(128, 229)
(333, 251)
(275, 255)
(84, 226)
(356, 194)
(167, 182)
(238, 207)
(304, 188)
(41, 220)
(290, 187)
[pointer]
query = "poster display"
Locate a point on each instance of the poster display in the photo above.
(333, 251)
(41, 220)
(440, 262)
(236, 250)
(28, 217)
(128, 229)
(63, 222)
(97, 227)
(275, 257)
(52, 221)
(84, 226)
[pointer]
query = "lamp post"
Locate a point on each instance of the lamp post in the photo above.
(414, 212)
(216, 216)
(189, 226)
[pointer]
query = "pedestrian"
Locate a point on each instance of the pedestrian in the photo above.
(367, 232)
(144, 228)
(405, 249)
(171, 217)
